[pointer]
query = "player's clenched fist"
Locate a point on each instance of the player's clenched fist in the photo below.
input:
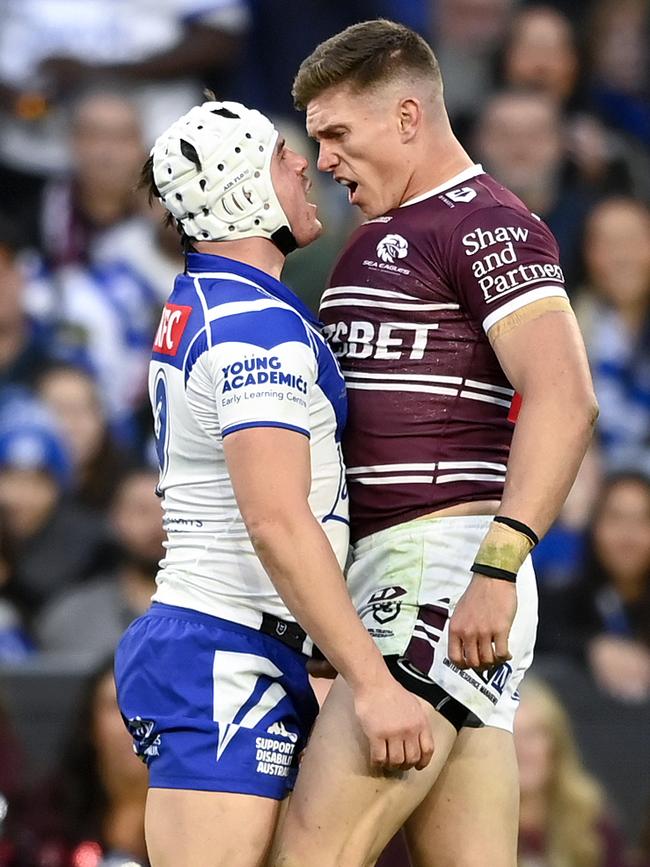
(396, 725)
(480, 625)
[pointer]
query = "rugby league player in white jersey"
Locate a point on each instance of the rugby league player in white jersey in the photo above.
(249, 407)
(445, 309)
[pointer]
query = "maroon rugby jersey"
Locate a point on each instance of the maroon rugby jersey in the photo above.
(410, 302)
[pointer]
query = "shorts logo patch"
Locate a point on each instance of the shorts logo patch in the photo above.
(274, 757)
(146, 743)
(497, 677)
(277, 728)
(170, 330)
(240, 704)
(383, 605)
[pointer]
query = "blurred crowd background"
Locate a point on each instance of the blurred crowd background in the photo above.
(554, 101)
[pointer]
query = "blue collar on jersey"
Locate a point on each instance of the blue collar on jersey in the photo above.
(197, 262)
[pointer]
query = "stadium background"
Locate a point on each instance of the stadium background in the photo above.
(554, 100)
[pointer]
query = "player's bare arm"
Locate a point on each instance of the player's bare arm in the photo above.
(545, 360)
(271, 476)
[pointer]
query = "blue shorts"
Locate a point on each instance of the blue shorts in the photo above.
(213, 705)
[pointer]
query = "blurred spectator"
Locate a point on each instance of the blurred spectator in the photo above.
(92, 814)
(91, 618)
(79, 212)
(101, 308)
(105, 317)
(620, 65)
(563, 820)
(542, 54)
(520, 141)
(604, 617)
(54, 541)
(48, 50)
(24, 342)
(151, 246)
(98, 463)
(558, 557)
(466, 37)
(616, 612)
(614, 314)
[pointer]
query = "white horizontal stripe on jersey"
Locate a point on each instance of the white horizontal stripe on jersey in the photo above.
(367, 290)
(413, 377)
(424, 377)
(554, 288)
(394, 480)
(429, 389)
(387, 468)
(231, 308)
(469, 477)
(486, 398)
(538, 294)
(414, 467)
(471, 465)
(224, 275)
(402, 386)
(472, 383)
(387, 305)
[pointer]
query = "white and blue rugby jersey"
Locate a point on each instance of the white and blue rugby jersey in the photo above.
(235, 349)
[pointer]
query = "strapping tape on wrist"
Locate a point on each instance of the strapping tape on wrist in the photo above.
(506, 545)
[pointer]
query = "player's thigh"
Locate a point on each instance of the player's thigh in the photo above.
(186, 828)
(341, 814)
(470, 816)
(283, 806)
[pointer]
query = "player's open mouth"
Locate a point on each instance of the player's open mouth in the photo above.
(352, 188)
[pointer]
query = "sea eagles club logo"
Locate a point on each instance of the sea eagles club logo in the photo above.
(392, 247)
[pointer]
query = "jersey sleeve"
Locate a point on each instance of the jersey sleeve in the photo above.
(262, 368)
(500, 260)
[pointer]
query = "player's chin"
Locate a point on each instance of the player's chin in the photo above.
(369, 210)
(310, 231)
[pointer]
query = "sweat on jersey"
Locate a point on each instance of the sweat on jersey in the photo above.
(410, 302)
(236, 349)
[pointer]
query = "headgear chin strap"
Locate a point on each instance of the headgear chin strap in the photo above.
(212, 168)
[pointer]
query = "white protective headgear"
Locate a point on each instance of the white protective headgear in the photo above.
(212, 169)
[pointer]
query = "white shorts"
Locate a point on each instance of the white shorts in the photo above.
(405, 583)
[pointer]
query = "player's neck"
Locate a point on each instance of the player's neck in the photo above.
(438, 164)
(258, 252)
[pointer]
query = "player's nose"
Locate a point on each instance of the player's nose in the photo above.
(301, 163)
(327, 159)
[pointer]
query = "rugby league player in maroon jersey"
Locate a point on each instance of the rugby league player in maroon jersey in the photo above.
(445, 305)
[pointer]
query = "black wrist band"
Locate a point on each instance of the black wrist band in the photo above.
(494, 572)
(519, 526)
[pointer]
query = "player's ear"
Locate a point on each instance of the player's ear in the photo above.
(410, 117)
